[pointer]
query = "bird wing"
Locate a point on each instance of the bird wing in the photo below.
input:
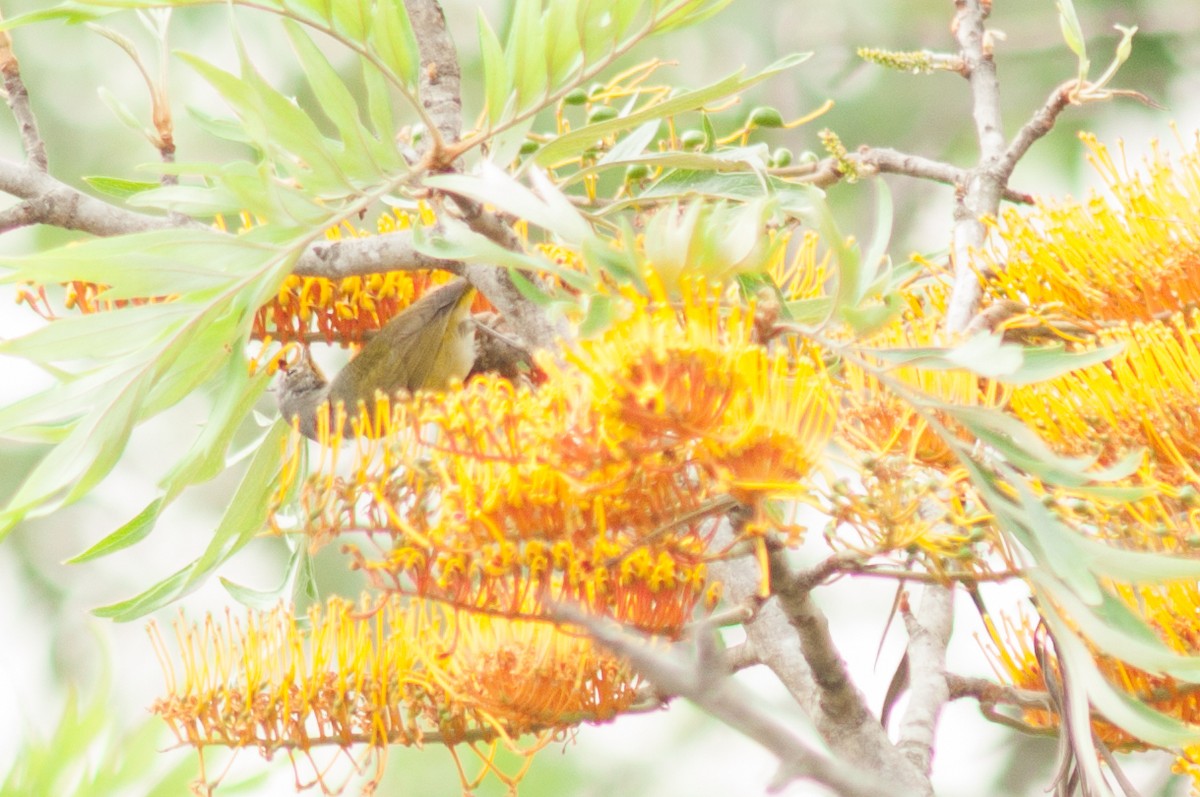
(404, 353)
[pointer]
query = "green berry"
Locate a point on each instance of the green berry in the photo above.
(781, 157)
(602, 113)
(637, 171)
(690, 139)
(766, 116)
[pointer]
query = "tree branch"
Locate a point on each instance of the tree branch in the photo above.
(857, 737)
(58, 204)
(990, 693)
(439, 91)
(928, 637)
(840, 701)
(356, 257)
(985, 182)
(721, 697)
(440, 81)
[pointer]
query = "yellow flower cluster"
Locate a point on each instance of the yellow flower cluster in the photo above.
(1131, 259)
(1121, 272)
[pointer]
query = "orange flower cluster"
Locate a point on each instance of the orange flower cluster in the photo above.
(345, 311)
(405, 673)
(486, 506)
(599, 487)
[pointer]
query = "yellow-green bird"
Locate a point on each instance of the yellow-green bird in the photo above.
(425, 347)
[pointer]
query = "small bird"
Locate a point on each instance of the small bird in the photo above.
(428, 345)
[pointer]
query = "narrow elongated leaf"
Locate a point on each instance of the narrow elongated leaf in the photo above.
(157, 263)
(394, 40)
(1132, 715)
(111, 334)
(338, 104)
(134, 531)
(1114, 630)
(524, 52)
(564, 50)
(551, 210)
(236, 393)
(497, 82)
(242, 520)
(1042, 363)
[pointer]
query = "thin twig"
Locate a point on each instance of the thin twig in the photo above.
(991, 693)
(17, 97)
(883, 160)
(1039, 125)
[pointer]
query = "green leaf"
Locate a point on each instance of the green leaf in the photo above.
(112, 334)
(600, 313)
(870, 316)
(1136, 567)
(71, 13)
(682, 184)
(1059, 546)
(547, 208)
(875, 260)
(987, 355)
(85, 456)
(570, 145)
(1021, 446)
(394, 40)
(148, 264)
(277, 126)
(130, 533)
(336, 101)
(619, 263)
(564, 49)
(497, 83)
(690, 13)
(236, 394)
(529, 289)
(1048, 362)
(297, 578)
(1072, 31)
(525, 51)
(243, 519)
(119, 187)
(1117, 707)
(683, 167)
(810, 311)
(1116, 631)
